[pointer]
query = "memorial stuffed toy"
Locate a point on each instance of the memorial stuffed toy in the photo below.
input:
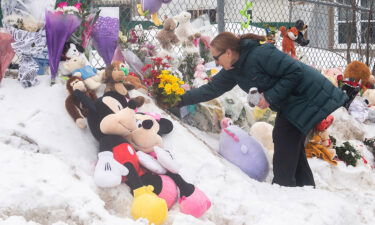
(147, 140)
(114, 79)
(70, 50)
(110, 119)
(320, 145)
(166, 36)
(74, 107)
(244, 151)
(289, 36)
(360, 73)
(186, 32)
(77, 67)
(301, 27)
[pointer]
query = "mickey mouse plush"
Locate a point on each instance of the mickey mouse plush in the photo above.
(147, 140)
(110, 119)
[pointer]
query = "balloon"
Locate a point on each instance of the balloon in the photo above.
(151, 5)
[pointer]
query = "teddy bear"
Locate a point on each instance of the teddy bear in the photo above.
(74, 107)
(146, 139)
(114, 79)
(185, 31)
(200, 76)
(301, 27)
(289, 36)
(333, 75)
(360, 73)
(111, 118)
(320, 145)
(90, 75)
(166, 37)
(70, 50)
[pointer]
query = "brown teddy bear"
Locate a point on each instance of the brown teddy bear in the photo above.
(74, 107)
(359, 72)
(136, 82)
(166, 36)
(114, 78)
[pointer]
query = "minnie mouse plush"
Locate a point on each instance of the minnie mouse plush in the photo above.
(110, 118)
(147, 141)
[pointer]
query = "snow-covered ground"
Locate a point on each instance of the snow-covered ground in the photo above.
(47, 163)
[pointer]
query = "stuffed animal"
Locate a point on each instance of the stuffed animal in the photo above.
(360, 72)
(114, 80)
(333, 75)
(185, 31)
(74, 107)
(262, 131)
(147, 141)
(289, 36)
(242, 150)
(151, 7)
(166, 37)
(110, 119)
(369, 94)
(136, 82)
(70, 50)
(90, 75)
(320, 144)
(301, 27)
(200, 76)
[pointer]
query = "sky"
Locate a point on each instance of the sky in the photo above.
(47, 165)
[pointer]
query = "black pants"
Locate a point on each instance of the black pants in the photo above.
(290, 166)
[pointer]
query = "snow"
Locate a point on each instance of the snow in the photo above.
(47, 163)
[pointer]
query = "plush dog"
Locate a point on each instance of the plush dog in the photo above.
(166, 37)
(360, 73)
(74, 107)
(110, 119)
(114, 80)
(147, 140)
(289, 36)
(301, 27)
(70, 50)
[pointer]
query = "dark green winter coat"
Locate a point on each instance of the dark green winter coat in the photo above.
(300, 93)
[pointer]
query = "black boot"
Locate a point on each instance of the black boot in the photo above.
(351, 91)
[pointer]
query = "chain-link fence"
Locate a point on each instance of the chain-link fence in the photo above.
(339, 31)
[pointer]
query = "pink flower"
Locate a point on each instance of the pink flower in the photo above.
(62, 5)
(78, 6)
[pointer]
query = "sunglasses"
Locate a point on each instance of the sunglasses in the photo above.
(216, 57)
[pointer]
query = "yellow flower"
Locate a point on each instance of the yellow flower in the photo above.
(168, 89)
(161, 85)
(175, 87)
(213, 71)
(180, 91)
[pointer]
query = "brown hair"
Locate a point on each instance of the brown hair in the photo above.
(228, 40)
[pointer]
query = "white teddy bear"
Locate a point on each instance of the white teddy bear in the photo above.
(186, 32)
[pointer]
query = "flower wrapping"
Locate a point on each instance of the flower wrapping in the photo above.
(105, 37)
(6, 52)
(28, 44)
(59, 27)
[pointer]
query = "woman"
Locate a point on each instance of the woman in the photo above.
(300, 95)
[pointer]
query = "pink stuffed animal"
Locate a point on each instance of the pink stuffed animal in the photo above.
(333, 74)
(200, 76)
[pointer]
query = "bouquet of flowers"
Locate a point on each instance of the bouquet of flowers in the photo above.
(24, 19)
(60, 25)
(151, 71)
(167, 89)
(105, 37)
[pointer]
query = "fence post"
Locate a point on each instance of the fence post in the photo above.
(220, 16)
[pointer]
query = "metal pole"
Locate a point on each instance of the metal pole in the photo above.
(220, 16)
